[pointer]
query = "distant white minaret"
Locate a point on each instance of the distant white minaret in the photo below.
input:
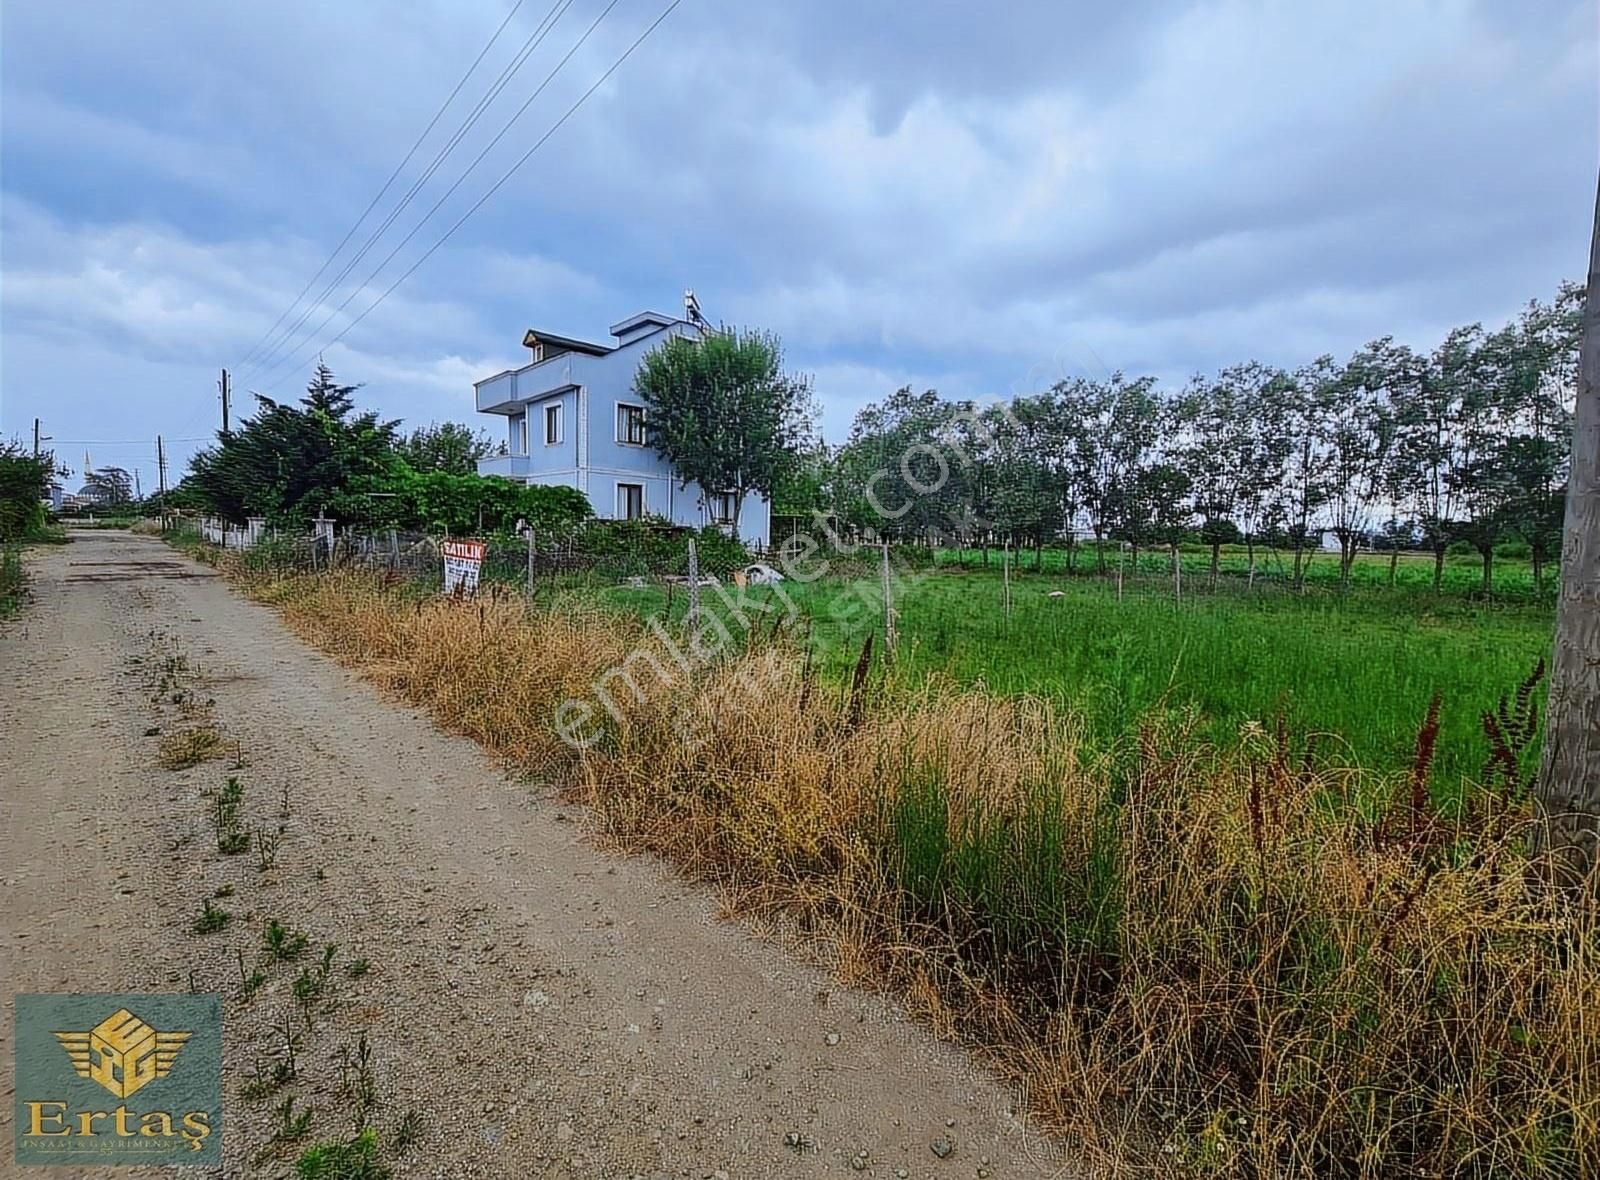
(88, 467)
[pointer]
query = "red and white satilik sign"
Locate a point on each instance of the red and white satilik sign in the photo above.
(463, 562)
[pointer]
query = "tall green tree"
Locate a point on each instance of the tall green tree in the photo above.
(112, 486)
(723, 412)
(448, 447)
(289, 462)
(1355, 421)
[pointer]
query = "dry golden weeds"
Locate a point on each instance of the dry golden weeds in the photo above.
(1197, 961)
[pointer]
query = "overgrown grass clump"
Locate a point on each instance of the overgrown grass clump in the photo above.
(13, 582)
(1201, 954)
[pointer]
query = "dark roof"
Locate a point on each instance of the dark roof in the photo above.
(565, 342)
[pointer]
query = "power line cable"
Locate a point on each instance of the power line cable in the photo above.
(393, 176)
(506, 176)
(556, 126)
(286, 341)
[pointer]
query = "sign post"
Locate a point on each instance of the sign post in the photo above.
(463, 562)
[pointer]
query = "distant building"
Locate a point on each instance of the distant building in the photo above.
(573, 419)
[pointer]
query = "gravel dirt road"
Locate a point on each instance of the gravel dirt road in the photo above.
(544, 1008)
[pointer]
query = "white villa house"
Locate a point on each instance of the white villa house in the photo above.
(573, 418)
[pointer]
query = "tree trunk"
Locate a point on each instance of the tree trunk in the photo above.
(1394, 565)
(1488, 570)
(1299, 573)
(1569, 780)
(1438, 568)
(1216, 561)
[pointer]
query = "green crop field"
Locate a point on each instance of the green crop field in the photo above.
(1356, 668)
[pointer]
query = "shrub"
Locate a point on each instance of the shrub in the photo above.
(24, 481)
(622, 548)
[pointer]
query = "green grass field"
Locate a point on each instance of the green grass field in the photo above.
(1463, 572)
(1358, 668)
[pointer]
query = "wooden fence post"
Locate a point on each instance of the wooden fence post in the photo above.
(1005, 573)
(693, 617)
(889, 633)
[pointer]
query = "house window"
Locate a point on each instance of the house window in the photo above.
(519, 435)
(630, 424)
(630, 501)
(720, 506)
(552, 425)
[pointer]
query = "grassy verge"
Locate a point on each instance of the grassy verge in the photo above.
(1201, 955)
(13, 581)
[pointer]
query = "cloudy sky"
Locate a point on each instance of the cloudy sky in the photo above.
(979, 198)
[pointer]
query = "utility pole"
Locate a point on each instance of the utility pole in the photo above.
(36, 438)
(161, 478)
(1568, 794)
(226, 388)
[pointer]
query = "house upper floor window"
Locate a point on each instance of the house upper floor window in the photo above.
(552, 425)
(630, 424)
(630, 501)
(720, 507)
(519, 434)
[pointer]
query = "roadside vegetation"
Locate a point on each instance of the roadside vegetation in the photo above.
(24, 480)
(1355, 669)
(1201, 948)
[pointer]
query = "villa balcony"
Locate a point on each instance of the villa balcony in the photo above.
(503, 393)
(506, 466)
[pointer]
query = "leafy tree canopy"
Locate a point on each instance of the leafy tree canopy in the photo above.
(447, 446)
(723, 412)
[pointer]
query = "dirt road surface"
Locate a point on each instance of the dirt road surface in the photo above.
(544, 1008)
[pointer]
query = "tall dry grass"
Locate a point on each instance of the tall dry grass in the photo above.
(1197, 960)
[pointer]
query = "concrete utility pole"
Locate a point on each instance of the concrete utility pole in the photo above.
(1569, 776)
(36, 438)
(226, 389)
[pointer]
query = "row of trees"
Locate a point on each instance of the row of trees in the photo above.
(1392, 447)
(289, 463)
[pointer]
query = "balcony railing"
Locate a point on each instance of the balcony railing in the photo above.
(501, 393)
(509, 466)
